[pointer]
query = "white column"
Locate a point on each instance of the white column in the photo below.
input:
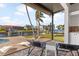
(66, 22)
(66, 30)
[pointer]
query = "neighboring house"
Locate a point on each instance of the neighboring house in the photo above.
(28, 27)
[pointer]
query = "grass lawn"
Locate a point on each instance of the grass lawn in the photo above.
(56, 37)
(2, 31)
(29, 36)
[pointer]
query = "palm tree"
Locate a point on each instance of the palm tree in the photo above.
(30, 22)
(39, 15)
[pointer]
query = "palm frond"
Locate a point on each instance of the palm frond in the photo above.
(39, 15)
(41, 20)
(42, 15)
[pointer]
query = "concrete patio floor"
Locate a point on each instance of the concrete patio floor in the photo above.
(36, 51)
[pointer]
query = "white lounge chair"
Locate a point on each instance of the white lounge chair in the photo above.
(26, 43)
(6, 50)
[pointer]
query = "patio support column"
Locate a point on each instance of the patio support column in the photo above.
(66, 22)
(52, 24)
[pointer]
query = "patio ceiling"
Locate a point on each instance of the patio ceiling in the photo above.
(53, 7)
(46, 7)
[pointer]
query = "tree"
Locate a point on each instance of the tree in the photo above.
(39, 15)
(60, 27)
(28, 27)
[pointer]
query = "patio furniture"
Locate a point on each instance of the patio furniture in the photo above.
(7, 49)
(26, 43)
(67, 48)
(38, 44)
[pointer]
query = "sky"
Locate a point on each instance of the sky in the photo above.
(15, 14)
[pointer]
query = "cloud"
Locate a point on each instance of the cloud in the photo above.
(5, 17)
(2, 5)
(59, 18)
(21, 10)
(58, 15)
(19, 13)
(30, 9)
(6, 20)
(16, 22)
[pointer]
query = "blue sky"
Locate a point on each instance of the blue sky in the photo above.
(15, 14)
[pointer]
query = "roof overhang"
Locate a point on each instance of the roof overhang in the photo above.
(48, 8)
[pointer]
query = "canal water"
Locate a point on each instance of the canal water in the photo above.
(3, 40)
(16, 34)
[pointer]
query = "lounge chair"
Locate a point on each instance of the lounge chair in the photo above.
(38, 44)
(67, 48)
(26, 43)
(6, 50)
